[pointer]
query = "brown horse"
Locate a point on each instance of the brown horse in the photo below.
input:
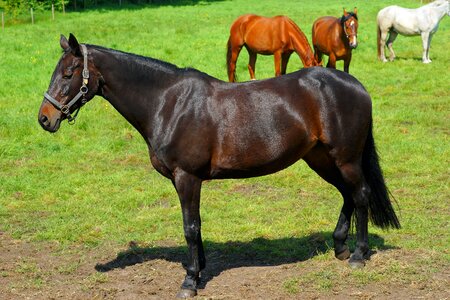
(335, 37)
(279, 36)
(199, 128)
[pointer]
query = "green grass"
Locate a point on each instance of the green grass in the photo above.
(93, 182)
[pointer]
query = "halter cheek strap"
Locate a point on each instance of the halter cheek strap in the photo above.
(344, 19)
(65, 108)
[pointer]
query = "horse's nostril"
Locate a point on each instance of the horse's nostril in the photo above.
(45, 121)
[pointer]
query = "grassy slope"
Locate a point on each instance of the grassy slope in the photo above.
(92, 182)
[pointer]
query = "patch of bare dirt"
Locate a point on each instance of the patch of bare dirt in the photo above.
(30, 270)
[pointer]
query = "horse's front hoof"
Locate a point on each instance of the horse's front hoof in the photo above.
(356, 264)
(186, 293)
(343, 255)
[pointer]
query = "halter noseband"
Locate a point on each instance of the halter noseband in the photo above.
(345, 18)
(65, 108)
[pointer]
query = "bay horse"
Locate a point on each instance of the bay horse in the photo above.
(335, 37)
(279, 36)
(423, 21)
(199, 128)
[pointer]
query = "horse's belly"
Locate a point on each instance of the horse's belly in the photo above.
(257, 157)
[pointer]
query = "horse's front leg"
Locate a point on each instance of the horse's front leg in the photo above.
(284, 61)
(426, 40)
(347, 60)
(188, 188)
(252, 64)
(277, 60)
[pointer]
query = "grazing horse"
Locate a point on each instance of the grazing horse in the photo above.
(335, 37)
(279, 36)
(199, 128)
(422, 21)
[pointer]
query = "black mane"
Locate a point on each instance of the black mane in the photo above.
(146, 63)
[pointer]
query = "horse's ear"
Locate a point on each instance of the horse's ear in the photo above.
(64, 43)
(345, 12)
(355, 11)
(74, 45)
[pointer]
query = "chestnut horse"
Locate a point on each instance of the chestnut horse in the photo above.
(335, 37)
(199, 128)
(279, 36)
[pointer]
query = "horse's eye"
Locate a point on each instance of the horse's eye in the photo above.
(67, 75)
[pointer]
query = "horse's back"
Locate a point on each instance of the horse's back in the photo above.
(263, 35)
(322, 27)
(281, 119)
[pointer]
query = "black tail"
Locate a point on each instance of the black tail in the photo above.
(381, 212)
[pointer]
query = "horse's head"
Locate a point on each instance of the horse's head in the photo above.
(73, 83)
(349, 23)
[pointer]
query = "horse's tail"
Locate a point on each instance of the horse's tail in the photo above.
(381, 212)
(231, 74)
(378, 39)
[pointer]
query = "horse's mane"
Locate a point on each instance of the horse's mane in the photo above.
(299, 31)
(146, 64)
(348, 16)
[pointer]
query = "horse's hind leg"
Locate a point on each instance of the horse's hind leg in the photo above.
(382, 43)
(392, 36)
(352, 174)
(318, 55)
(323, 164)
(331, 61)
(348, 178)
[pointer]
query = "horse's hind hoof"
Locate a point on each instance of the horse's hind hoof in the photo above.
(357, 264)
(186, 293)
(343, 255)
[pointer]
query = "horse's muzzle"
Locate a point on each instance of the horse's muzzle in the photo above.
(49, 118)
(47, 124)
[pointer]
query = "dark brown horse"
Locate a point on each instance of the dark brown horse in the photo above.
(335, 37)
(279, 36)
(198, 128)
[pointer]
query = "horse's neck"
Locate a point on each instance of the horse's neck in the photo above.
(435, 12)
(130, 83)
(302, 47)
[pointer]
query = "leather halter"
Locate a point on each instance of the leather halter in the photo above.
(65, 108)
(344, 19)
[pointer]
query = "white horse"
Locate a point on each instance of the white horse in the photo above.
(423, 20)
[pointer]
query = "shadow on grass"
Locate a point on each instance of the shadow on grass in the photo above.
(139, 4)
(230, 255)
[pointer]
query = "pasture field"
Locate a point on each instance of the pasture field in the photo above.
(88, 195)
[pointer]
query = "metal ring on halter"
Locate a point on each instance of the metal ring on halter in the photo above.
(65, 109)
(84, 89)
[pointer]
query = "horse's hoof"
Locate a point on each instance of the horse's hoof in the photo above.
(357, 264)
(186, 293)
(343, 255)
